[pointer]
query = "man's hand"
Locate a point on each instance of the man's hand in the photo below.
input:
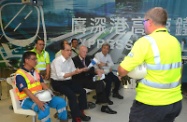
(99, 72)
(46, 77)
(125, 79)
(40, 104)
(77, 71)
(101, 64)
(85, 69)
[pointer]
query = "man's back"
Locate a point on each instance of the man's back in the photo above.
(161, 51)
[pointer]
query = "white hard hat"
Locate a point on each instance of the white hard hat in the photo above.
(44, 95)
(139, 72)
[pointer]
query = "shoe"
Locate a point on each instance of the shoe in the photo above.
(84, 117)
(68, 115)
(77, 119)
(90, 105)
(108, 110)
(117, 95)
(110, 102)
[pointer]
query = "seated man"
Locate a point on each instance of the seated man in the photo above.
(61, 44)
(85, 79)
(106, 63)
(62, 69)
(28, 82)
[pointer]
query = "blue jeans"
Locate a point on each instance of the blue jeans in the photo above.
(147, 113)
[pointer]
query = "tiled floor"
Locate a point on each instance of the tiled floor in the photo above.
(121, 106)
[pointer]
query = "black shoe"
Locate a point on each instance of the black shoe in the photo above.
(68, 115)
(85, 118)
(108, 110)
(90, 105)
(110, 102)
(117, 95)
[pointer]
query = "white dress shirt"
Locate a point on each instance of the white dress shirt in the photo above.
(105, 59)
(60, 66)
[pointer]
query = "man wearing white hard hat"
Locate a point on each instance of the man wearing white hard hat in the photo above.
(34, 94)
(158, 97)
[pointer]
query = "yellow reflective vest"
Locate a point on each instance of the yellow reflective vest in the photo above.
(33, 83)
(162, 55)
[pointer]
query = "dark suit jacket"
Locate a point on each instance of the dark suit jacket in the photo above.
(78, 64)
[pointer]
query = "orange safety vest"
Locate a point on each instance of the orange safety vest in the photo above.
(33, 83)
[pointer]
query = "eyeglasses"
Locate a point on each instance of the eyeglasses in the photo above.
(68, 50)
(34, 59)
(41, 44)
(145, 21)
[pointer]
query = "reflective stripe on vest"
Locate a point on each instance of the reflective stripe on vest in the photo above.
(42, 65)
(164, 66)
(40, 69)
(159, 66)
(33, 83)
(158, 85)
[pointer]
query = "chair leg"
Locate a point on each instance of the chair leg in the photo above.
(33, 118)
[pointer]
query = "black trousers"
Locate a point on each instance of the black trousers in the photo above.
(109, 79)
(146, 113)
(98, 86)
(70, 89)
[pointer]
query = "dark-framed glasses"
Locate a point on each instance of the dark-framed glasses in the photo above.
(145, 20)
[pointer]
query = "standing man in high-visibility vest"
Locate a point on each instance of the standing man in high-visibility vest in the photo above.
(158, 97)
(43, 59)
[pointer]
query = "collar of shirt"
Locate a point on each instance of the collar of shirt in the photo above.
(31, 71)
(63, 59)
(43, 51)
(81, 58)
(104, 55)
(160, 29)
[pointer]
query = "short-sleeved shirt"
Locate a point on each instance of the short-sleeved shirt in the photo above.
(142, 50)
(21, 82)
(105, 59)
(42, 57)
(169, 52)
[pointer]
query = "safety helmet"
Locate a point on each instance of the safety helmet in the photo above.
(139, 72)
(44, 95)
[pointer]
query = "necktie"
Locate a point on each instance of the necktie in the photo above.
(83, 62)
